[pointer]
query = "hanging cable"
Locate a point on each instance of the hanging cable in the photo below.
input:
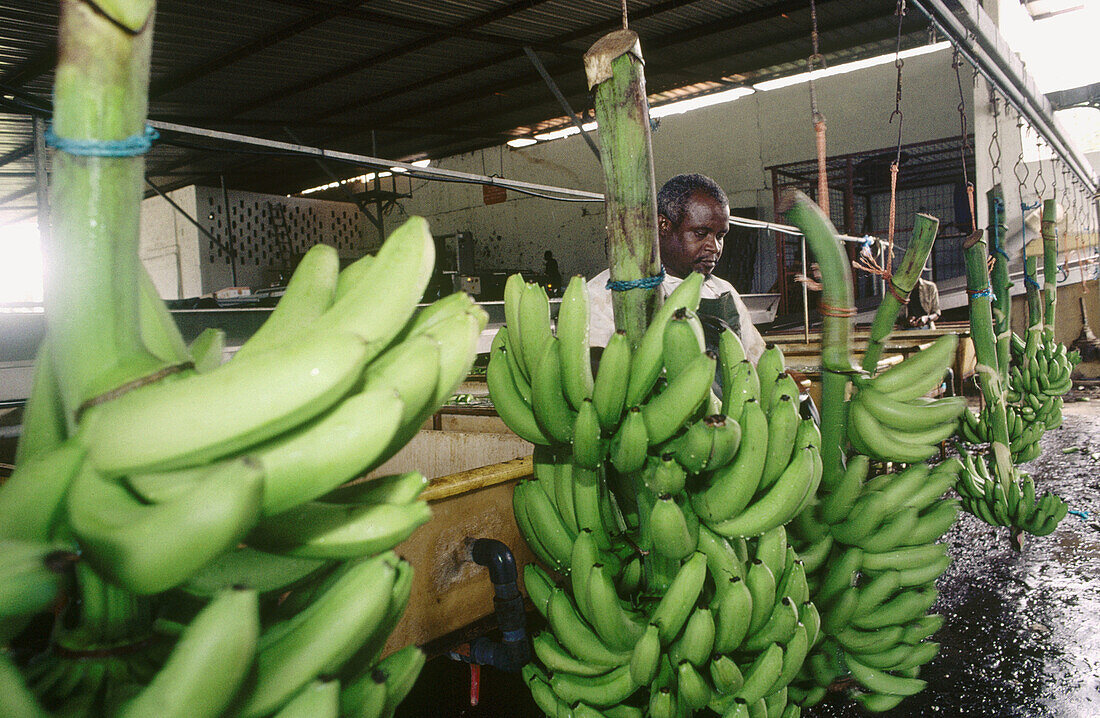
(964, 145)
(816, 117)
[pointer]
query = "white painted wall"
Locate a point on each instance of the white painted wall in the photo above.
(732, 143)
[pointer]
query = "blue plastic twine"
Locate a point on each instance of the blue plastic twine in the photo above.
(131, 146)
(643, 283)
(987, 292)
(1029, 281)
(1028, 207)
(1083, 515)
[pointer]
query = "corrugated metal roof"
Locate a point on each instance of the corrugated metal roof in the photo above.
(408, 78)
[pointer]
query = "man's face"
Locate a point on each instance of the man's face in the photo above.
(695, 244)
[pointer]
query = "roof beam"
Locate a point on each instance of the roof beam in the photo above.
(167, 83)
(33, 67)
(440, 34)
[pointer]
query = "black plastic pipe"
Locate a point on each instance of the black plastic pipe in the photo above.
(514, 650)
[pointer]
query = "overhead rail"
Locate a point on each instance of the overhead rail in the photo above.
(976, 36)
(428, 173)
(440, 174)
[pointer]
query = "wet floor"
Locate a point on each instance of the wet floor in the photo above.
(1022, 636)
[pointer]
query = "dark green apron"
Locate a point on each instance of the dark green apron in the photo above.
(717, 314)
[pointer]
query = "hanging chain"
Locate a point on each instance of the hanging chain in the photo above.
(995, 140)
(898, 64)
(899, 11)
(816, 117)
(1040, 181)
(1020, 169)
(956, 63)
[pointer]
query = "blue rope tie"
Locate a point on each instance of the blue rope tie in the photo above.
(1028, 207)
(131, 146)
(1030, 281)
(1083, 515)
(643, 283)
(987, 293)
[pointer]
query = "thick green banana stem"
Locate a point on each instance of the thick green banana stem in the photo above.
(614, 69)
(1034, 301)
(1049, 229)
(985, 351)
(1002, 287)
(912, 263)
(92, 265)
(837, 308)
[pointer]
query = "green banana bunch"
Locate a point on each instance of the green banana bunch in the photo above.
(888, 418)
(1015, 506)
(170, 512)
(1042, 366)
(878, 580)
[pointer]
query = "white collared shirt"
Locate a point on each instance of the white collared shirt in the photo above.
(601, 321)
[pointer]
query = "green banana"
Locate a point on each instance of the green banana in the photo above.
(322, 530)
(919, 374)
(552, 411)
(324, 635)
(160, 426)
(882, 682)
(731, 487)
(762, 674)
(534, 322)
(509, 404)
(575, 636)
(666, 413)
(619, 628)
(609, 689)
(32, 576)
(589, 447)
(207, 349)
(679, 600)
(44, 422)
(768, 368)
(732, 608)
(761, 583)
(779, 504)
(573, 347)
(630, 443)
(314, 459)
(694, 690)
(783, 425)
(779, 627)
(672, 535)
(647, 361)
(609, 390)
(32, 498)
(319, 699)
(259, 571)
(149, 548)
(557, 659)
(697, 641)
(380, 304)
(645, 656)
(309, 293)
(682, 342)
(207, 665)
